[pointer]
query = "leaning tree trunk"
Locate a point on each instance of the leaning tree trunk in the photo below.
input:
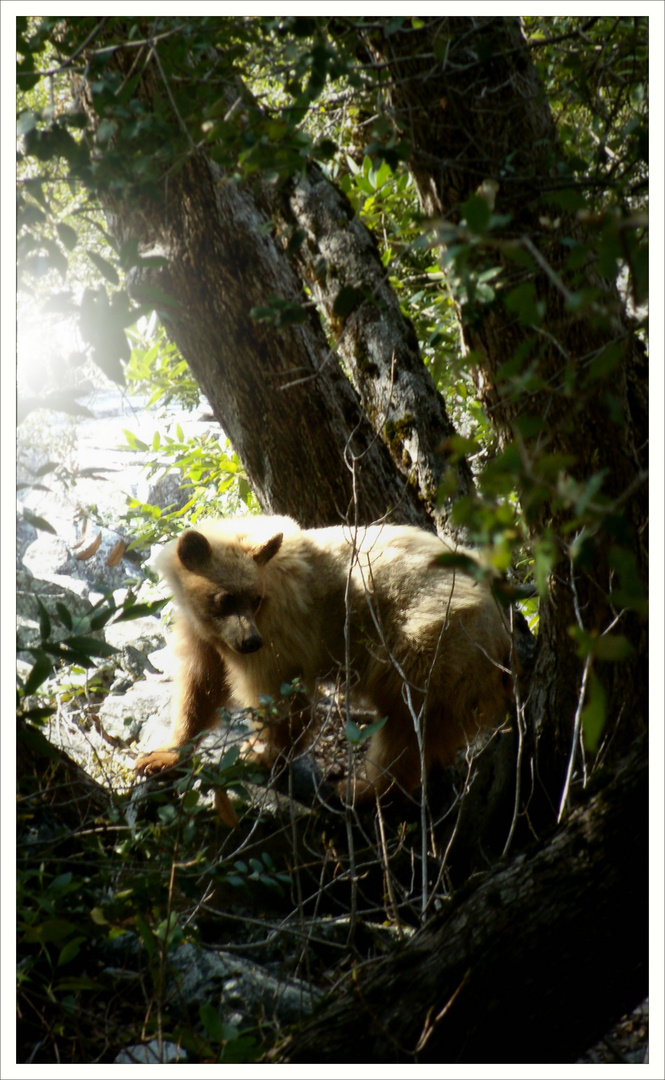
(478, 119)
(312, 443)
(533, 966)
(293, 418)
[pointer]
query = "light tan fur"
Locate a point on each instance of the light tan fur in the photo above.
(262, 602)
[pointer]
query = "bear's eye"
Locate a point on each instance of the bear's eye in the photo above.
(255, 603)
(225, 604)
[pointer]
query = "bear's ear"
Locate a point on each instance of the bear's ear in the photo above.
(193, 550)
(265, 553)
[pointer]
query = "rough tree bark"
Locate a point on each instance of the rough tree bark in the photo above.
(480, 114)
(293, 418)
(338, 259)
(533, 966)
(327, 452)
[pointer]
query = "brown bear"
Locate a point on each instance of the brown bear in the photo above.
(262, 602)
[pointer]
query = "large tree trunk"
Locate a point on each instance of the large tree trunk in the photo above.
(312, 444)
(339, 261)
(293, 418)
(479, 114)
(533, 966)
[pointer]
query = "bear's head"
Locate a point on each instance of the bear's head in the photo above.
(221, 582)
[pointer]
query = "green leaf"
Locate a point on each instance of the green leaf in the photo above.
(26, 122)
(228, 760)
(237, 881)
(56, 930)
(212, 1022)
(524, 302)
(68, 236)
(101, 618)
(158, 298)
(48, 467)
(612, 647)
(379, 174)
(105, 268)
(70, 950)
(593, 714)
(75, 983)
(357, 736)
(39, 713)
(604, 363)
(106, 130)
(44, 620)
(568, 198)
(37, 522)
(545, 557)
(459, 446)
(477, 212)
(133, 441)
(39, 673)
(457, 560)
(90, 646)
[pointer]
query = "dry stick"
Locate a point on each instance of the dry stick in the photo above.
(383, 848)
(580, 702)
(577, 739)
(430, 1024)
(576, 735)
(519, 719)
(347, 709)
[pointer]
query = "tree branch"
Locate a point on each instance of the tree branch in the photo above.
(533, 965)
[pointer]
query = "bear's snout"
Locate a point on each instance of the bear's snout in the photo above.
(250, 644)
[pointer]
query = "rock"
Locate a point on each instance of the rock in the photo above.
(50, 592)
(167, 491)
(245, 992)
(26, 534)
(51, 558)
(144, 710)
(50, 555)
(145, 634)
(150, 1054)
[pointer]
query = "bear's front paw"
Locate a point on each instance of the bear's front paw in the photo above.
(156, 761)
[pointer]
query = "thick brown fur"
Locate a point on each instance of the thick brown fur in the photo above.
(262, 602)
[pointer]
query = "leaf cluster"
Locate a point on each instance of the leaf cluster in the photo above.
(211, 477)
(96, 898)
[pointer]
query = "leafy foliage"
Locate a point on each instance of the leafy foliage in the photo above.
(266, 98)
(94, 894)
(212, 478)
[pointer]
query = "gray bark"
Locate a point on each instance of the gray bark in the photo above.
(289, 411)
(339, 259)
